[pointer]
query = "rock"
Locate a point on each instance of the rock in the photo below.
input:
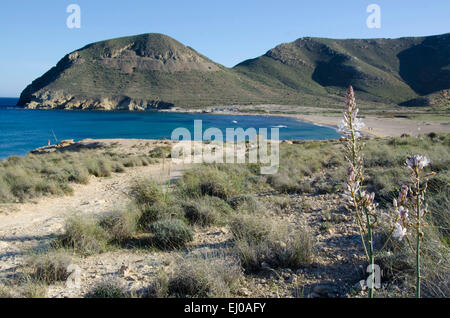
(360, 286)
(290, 280)
(245, 292)
(265, 265)
(324, 290)
(65, 143)
(124, 271)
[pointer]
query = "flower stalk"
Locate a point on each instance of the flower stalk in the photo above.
(358, 200)
(413, 199)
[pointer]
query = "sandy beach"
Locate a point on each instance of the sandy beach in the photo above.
(384, 127)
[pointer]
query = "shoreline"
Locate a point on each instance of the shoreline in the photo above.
(376, 126)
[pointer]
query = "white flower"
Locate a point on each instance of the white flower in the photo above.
(358, 125)
(399, 231)
(402, 212)
(417, 161)
(343, 127)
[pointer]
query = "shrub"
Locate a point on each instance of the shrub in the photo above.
(205, 211)
(160, 152)
(151, 213)
(79, 175)
(51, 173)
(171, 234)
(157, 289)
(244, 201)
(33, 289)
(5, 292)
(98, 167)
(251, 228)
(85, 235)
(222, 181)
(49, 267)
(108, 289)
(120, 225)
(200, 278)
(147, 192)
(259, 240)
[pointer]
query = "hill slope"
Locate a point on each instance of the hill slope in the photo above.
(383, 70)
(153, 71)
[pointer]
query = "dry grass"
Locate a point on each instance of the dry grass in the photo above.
(49, 267)
(24, 178)
(203, 278)
(85, 235)
(261, 242)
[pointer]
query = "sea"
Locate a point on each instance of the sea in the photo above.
(22, 130)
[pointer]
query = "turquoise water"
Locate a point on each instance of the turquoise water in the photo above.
(22, 130)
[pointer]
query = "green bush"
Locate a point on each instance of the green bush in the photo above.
(108, 289)
(244, 202)
(251, 228)
(171, 234)
(85, 235)
(160, 152)
(151, 213)
(120, 225)
(222, 181)
(206, 211)
(147, 192)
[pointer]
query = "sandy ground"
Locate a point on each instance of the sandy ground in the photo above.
(32, 225)
(383, 127)
(377, 126)
(25, 227)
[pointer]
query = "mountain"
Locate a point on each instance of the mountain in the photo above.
(154, 71)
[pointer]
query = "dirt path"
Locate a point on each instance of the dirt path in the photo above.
(31, 225)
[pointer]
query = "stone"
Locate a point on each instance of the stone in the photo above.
(324, 290)
(360, 286)
(124, 271)
(290, 280)
(265, 265)
(65, 143)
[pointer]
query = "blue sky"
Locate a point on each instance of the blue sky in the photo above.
(34, 35)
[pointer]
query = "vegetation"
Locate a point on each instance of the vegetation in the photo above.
(261, 243)
(85, 235)
(255, 213)
(49, 267)
(24, 178)
(171, 234)
(200, 278)
(308, 71)
(108, 289)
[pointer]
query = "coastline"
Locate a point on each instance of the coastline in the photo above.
(376, 126)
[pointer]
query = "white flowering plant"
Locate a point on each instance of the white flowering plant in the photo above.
(410, 208)
(360, 202)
